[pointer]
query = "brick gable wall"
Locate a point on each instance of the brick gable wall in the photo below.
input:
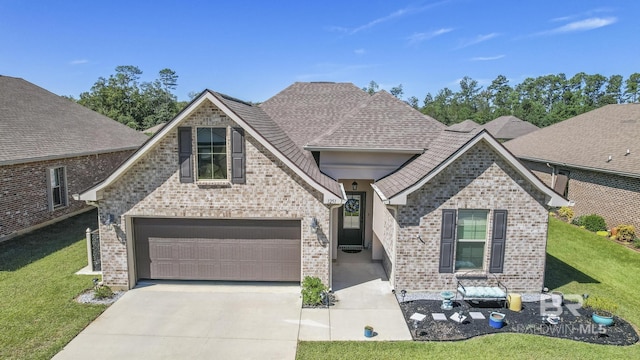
(152, 188)
(479, 179)
(24, 199)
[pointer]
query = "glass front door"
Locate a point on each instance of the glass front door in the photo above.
(351, 220)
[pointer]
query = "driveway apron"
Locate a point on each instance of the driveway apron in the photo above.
(173, 320)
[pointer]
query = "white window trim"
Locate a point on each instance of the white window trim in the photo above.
(484, 249)
(194, 146)
(64, 191)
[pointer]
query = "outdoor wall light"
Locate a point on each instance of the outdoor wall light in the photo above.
(314, 225)
(354, 186)
(109, 220)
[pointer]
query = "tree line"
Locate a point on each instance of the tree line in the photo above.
(542, 101)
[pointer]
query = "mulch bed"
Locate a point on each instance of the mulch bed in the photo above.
(527, 321)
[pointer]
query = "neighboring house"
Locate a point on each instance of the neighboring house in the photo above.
(593, 159)
(233, 191)
(154, 129)
(503, 128)
(50, 148)
(509, 127)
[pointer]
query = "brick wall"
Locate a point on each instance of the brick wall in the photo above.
(613, 197)
(152, 188)
(479, 179)
(24, 199)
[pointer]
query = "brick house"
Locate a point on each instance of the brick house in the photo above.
(592, 159)
(50, 148)
(233, 191)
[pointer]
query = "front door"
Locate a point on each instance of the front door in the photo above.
(351, 221)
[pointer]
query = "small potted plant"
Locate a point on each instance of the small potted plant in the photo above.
(603, 310)
(368, 331)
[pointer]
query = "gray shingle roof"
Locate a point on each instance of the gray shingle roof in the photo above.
(443, 147)
(465, 126)
(265, 126)
(307, 110)
(36, 124)
(381, 121)
(587, 140)
(509, 127)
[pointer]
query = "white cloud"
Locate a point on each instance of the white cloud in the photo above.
(420, 37)
(394, 15)
(579, 15)
(79, 62)
(487, 58)
(478, 39)
(584, 25)
(359, 51)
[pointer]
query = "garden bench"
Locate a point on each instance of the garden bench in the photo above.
(481, 288)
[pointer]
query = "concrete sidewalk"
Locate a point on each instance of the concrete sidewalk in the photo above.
(363, 297)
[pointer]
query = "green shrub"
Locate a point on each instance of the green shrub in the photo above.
(566, 213)
(601, 305)
(577, 221)
(312, 291)
(594, 223)
(626, 233)
(102, 292)
(602, 233)
(636, 243)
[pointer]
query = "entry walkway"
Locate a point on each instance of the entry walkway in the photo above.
(363, 297)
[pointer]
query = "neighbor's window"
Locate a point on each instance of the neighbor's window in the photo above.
(471, 239)
(57, 188)
(212, 153)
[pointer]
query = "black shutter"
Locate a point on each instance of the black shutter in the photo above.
(237, 157)
(498, 241)
(447, 240)
(184, 154)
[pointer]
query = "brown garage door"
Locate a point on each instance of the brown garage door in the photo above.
(206, 249)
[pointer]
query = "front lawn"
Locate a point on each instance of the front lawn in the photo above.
(38, 315)
(578, 262)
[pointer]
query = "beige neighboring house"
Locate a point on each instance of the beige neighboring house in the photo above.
(228, 190)
(592, 159)
(50, 148)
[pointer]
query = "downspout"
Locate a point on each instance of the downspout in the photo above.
(331, 221)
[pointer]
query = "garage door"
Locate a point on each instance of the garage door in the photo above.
(205, 249)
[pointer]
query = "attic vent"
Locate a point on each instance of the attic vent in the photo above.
(323, 82)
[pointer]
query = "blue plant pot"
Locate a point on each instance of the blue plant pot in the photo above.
(496, 320)
(368, 333)
(603, 320)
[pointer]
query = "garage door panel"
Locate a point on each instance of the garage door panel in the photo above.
(196, 250)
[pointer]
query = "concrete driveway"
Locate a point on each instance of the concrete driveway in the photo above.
(194, 321)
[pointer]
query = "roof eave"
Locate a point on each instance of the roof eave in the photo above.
(65, 156)
(412, 151)
(581, 167)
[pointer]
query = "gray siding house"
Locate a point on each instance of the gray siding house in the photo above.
(233, 191)
(50, 148)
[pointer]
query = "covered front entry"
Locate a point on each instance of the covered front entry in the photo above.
(351, 221)
(217, 249)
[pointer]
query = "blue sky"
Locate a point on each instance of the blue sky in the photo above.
(254, 49)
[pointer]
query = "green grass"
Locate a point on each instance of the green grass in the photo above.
(38, 315)
(578, 262)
